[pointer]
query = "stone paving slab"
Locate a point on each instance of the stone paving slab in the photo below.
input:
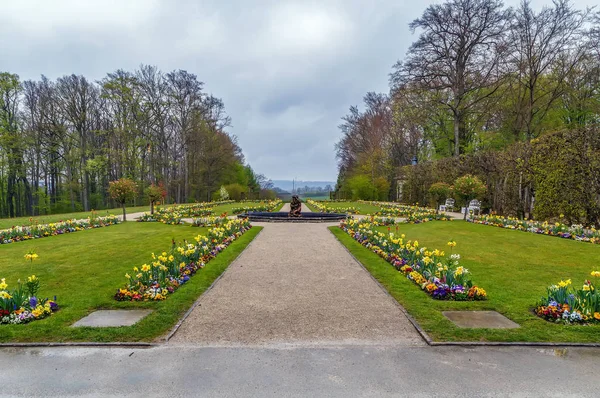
(112, 318)
(480, 319)
(296, 284)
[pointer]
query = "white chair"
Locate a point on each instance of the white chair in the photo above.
(449, 206)
(474, 206)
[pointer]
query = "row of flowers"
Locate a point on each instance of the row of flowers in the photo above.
(169, 270)
(170, 217)
(575, 232)
(416, 219)
(173, 214)
(405, 211)
(36, 231)
(269, 206)
(389, 211)
(322, 207)
(210, 221)
(565, 304)
(21, 304)
(440, 276)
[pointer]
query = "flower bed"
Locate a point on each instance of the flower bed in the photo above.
(170, 217)
(565, 304)
(21, 233)
(575, 232)
(169, 270)
(321, 207)
(406, 211)
(210, 221)
(438, 275)
(21, 304)
(270, 206)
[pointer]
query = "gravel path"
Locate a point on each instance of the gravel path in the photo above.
(296, 284)
(286, 208)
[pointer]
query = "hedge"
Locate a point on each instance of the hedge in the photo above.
(557, 174)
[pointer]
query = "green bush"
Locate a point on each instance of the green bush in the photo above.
(439, 192)
(236, 191)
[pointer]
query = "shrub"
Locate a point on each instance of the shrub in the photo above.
(439, 192)
(223, 194)
(468, 188)
(236, 191)
(155, 193)
(121, 191)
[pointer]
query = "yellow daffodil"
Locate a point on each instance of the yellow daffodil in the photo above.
(564, 283)
(31, 256)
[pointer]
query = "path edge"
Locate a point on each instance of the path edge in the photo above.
(432, 343)
(175, 328)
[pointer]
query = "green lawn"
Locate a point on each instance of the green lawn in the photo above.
(513, 267)
(10, 222)
(85, 269)
(363, 208)
(315, 197)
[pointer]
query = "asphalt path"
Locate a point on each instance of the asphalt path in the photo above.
(335, 371)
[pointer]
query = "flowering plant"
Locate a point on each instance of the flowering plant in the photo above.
(210, 221)
(323, 208)
(169, 270)
(438, 275)
(269, 205)
(575, 232)
(21, 233)
(565, 304)
(21, 304)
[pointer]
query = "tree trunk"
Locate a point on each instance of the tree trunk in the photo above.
(124, 215)
(457, 123)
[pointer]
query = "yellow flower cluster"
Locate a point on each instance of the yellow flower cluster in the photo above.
(564, 283)
(41, 310)
(417, 277)
(31, 256)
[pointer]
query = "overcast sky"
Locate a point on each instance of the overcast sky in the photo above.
(286, 70)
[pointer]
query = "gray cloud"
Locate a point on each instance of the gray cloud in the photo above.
(287, 70)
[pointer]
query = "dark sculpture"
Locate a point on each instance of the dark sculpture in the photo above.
(295, 206)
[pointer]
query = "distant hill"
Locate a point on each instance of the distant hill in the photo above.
(288, 185)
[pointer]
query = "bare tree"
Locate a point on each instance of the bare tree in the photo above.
(76, 97)
(546, 47)
(458, 54)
